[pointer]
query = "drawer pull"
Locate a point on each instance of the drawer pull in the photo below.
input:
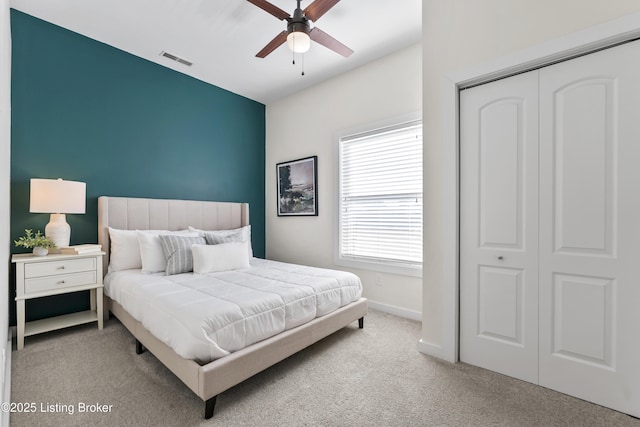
(61, 267)
(61, 282)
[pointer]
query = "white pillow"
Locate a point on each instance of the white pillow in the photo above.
(151, 253)
(222, 257)
(125, 251)
(245, 231)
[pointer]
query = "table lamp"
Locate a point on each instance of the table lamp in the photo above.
(57, 197)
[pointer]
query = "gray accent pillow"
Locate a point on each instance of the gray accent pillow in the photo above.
(177, 251)
(217, 238)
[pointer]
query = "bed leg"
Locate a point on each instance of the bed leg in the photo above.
(139, 347)
(209, 406)
(361, 322)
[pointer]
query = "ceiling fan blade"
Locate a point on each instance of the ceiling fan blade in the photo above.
(318, 8)
(319, 36)
(270, 8)
(273, 44)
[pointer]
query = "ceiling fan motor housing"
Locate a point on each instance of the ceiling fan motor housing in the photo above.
(298, 22)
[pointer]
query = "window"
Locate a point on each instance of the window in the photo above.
(380, 190)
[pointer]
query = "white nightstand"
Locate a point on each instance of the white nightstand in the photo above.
(41, 276)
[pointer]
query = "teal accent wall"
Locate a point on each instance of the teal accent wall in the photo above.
(85, 111)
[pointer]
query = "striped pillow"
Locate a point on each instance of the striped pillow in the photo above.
(177, 251)
(217, 238)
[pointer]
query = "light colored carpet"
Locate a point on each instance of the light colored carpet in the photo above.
(369, 377)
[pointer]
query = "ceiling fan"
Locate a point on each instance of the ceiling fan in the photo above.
(299, 33)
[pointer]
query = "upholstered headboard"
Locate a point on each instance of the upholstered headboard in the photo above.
(127, 213)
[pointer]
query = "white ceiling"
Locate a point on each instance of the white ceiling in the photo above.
(221, 37)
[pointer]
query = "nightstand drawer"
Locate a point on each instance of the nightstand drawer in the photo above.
(66, 266)
(49, 283)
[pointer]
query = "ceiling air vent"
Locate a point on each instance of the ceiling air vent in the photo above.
(176, 58)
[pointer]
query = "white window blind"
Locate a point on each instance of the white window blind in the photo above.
(381, 195)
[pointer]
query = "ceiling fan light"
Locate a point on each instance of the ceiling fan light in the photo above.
(298, 41)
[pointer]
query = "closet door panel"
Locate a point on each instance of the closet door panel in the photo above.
(583, 167)
(589, 234)
(498, 196)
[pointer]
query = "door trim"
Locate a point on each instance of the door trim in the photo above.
(586, 41)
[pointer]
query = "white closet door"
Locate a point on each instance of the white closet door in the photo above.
(590, 227)
(499, 222)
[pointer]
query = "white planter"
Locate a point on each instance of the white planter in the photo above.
(40, 251)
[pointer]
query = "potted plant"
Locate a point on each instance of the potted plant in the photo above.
(38, 242)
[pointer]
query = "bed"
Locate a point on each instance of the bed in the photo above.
(209, 371)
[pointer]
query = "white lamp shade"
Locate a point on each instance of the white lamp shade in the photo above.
(298, 41)
(57, 196)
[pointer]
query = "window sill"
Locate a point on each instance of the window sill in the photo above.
(403, 270)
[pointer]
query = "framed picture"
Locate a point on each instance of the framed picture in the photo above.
(297, 187)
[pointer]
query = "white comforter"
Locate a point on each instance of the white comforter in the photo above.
(205, 317)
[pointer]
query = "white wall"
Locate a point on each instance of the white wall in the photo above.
(304, 125)
(458, 35)
(5, 177)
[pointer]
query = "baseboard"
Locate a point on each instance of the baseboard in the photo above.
(397, 311)
(6, 387)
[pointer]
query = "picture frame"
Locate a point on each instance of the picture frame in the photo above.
(297, 187)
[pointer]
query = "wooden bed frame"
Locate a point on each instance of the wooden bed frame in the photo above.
(207, 381)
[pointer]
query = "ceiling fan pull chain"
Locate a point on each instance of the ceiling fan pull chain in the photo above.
(303, 64)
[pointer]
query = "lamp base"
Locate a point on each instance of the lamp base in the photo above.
(58, 230)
